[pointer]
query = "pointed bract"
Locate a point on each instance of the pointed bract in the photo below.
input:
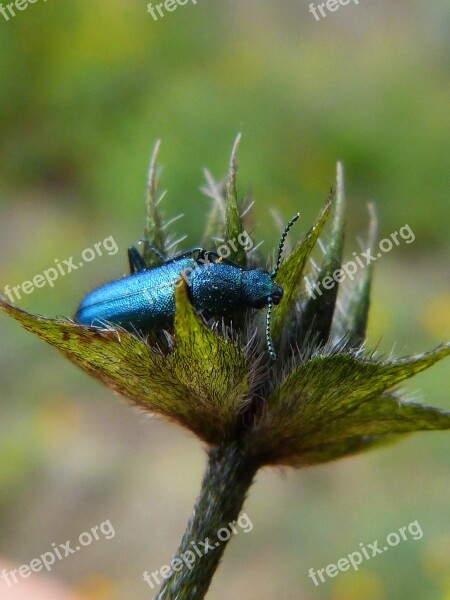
(290, 274)
(215, 223)
(214, 370)
(153, 231)
(318, 312)
(234, 225)
(330, 399)
(353, 322)
(201, 385)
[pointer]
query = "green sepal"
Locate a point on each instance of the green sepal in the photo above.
(234, 226)
(334, 399)
(153, 229)
(319, 309)
(353, 322)
(290, 273)
(214, 370)
(342, 449)
(214, 228)
(201, 385)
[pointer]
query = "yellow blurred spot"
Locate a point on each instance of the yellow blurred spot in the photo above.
(436, 558)
(96, 587)
(362, 585)
(89, 44)
(447, 590)
(436, 316)
(56, 420)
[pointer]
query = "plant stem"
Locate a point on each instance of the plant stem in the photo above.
(225, 484)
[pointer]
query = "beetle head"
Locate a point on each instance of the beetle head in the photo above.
(259, 288)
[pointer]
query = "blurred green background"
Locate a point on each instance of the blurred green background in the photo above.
(86, 88)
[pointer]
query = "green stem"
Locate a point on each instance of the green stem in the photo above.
(227, 479)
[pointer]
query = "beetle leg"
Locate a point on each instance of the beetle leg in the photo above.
(199, 250)
(222, 259)
(137, 263)
(156, 252)
(204, 256)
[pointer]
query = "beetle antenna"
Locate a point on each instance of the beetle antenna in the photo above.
(270, 349)
(281, 245)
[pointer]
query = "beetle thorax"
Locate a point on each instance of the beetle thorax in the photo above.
(258, 287)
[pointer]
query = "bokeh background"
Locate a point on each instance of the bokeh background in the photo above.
(86, 87)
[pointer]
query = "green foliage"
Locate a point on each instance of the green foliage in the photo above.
(233, 219)
(153, 230)
(318, 312)
(202, 384)
(290, 274)
(338, 403)
(321, 400)
(354, 318)
(213, 370)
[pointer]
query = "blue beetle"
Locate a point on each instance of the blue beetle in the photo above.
(145, 299)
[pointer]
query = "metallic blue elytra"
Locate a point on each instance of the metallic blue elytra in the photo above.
(145, 299)
(142, 300)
